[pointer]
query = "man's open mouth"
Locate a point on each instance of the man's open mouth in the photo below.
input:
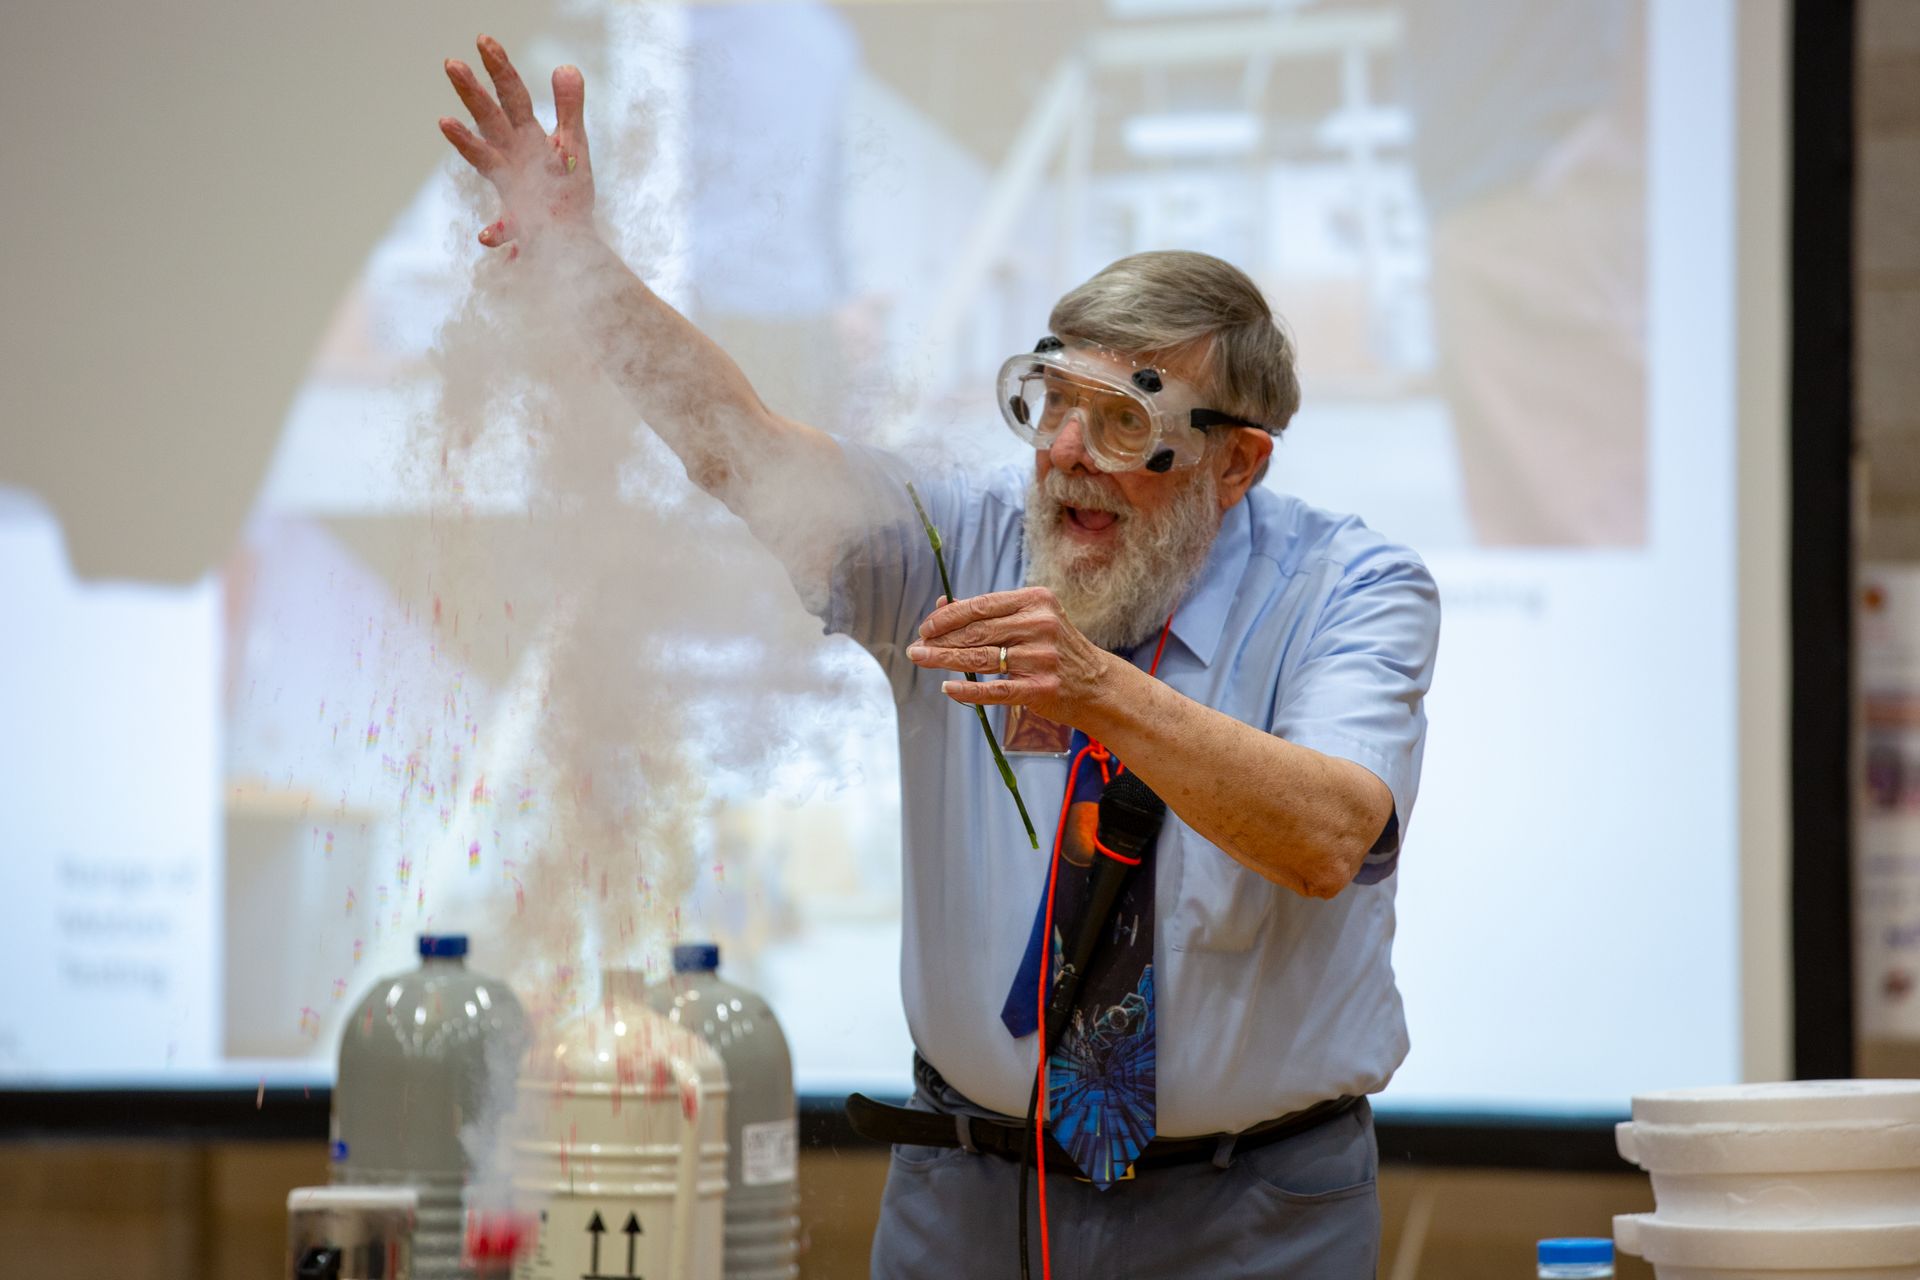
(1089, 520)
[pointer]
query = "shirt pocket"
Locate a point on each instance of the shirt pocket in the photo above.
(1221, 905)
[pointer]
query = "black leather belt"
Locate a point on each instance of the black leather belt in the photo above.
(1006, 1137)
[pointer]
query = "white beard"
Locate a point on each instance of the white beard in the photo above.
(1119, 596)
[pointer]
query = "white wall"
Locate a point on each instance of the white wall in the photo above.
(187, 191)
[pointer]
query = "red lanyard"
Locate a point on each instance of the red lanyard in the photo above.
(1109, 770)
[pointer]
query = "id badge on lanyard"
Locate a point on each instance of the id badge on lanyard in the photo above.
(1025, 732)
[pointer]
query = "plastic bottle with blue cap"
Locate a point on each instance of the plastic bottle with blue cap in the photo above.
(1575, 1258)
(425, 1055)
(762, 1220)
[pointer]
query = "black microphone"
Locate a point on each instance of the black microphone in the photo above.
(1130, 819)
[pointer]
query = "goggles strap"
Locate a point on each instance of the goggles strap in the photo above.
(1201, 419)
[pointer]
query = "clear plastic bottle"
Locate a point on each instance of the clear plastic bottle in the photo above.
(763, 1225)
(1575, 1258)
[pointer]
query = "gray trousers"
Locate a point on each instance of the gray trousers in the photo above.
(1303, 1208)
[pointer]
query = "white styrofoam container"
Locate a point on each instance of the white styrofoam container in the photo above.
(1783, 1102)
(1692, 1251)
(1800, 1154)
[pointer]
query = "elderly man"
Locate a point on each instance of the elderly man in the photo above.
(1140, 607)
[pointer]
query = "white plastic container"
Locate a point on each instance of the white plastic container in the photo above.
(1692, 1251)
(621, 1145)
(1824, 1153)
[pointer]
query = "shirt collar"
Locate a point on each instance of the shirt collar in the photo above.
(1201, 619)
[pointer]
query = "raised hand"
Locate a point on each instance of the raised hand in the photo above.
(545, 180)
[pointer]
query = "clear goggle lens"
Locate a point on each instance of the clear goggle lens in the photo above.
(1119, 431)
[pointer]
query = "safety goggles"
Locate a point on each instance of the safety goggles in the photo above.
(1132, 415)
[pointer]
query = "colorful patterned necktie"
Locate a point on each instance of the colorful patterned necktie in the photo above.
(1100, 1078)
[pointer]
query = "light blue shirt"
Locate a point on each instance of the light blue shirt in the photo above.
(1305, 623)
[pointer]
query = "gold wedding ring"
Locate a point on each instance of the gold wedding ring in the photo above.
(1003, 661)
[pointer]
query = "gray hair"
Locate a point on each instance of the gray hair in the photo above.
(1176, 300)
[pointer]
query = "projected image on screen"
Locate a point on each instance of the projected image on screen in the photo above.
(1499, 234)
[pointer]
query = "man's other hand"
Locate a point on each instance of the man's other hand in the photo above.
(544, 179)
(1051, 667)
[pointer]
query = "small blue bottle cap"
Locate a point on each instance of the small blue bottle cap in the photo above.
(1583, 1249)
(696, 957)
(444, 945)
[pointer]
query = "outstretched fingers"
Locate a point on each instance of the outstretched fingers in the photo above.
(493, 122)
(514, 99)
(509, 146)
(570, 107)
(476, 151)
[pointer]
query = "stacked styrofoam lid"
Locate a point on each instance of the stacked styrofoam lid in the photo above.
(1811, 1180)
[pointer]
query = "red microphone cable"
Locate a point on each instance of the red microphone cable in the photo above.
(1102, 755)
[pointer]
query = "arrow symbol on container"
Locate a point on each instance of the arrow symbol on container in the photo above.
(596, 1229)
(632, 1230)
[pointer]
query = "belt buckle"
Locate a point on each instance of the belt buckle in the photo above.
(1128, 1176)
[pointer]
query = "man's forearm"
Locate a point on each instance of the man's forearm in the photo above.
(788, 481)
(689, 391)
(1300, 818)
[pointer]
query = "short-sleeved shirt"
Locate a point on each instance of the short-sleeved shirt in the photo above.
(1305, 623)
